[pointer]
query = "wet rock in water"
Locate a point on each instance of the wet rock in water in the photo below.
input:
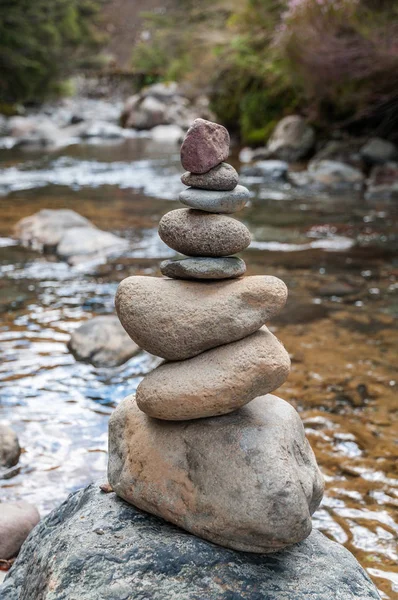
(223, 177)
(205, 145)
(272, 170)
(383, 182)
(196, 233)
(149, 113)
(338, 288)
(17, 520)
(103, 342)
(334, 175)
(216, 201)
(247, 480)
(204, 268)
(345, 151)
(9, 447)
(215, 382)
(379, 151)
(160, 314)
(291, 139)
(167, 133)
(77, 245)
(142, 555)
(103, 130)
(45, 229)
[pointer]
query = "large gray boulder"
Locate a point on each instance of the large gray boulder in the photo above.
(95, 546)
(291, 139)
(103, 342)
(247, 480)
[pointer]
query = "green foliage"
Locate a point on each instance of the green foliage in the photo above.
(42, 42)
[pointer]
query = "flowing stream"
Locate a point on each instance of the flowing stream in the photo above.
(337, 255)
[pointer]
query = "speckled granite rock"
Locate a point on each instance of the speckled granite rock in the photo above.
(215, 382)
(205, 145)
(178, 319)
(197, 233)
(221, 177)
(95, 546)
(204, 267)
(214, 201)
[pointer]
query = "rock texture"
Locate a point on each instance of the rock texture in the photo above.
(291, 139)
(89, 244)
(9, 447)
(205, 145)
(223, 177)
(217, 381)
(160, 315)
(196, 233)
(247, 480)
(17, 520)
(103, 342)
(203, 268)
(216, 202)
(97, 546)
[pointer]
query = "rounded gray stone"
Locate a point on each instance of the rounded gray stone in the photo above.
(223, 177)
(140, 557)
(9, 447)
(197, 233)
(204, 267)
(216, 202)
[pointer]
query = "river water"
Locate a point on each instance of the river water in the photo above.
(337, 256)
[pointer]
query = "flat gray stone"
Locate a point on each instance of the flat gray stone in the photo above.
(216, 202)
(204, 267)
(223, 177)
(197, 233)
(140, 557)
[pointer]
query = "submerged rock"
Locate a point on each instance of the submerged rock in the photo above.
(215, 382)
(291, 139)
(139, 556)
(197, 233)
(17, 520)
(103, 342)
(160, 314)
(247, 480)
(10, 450)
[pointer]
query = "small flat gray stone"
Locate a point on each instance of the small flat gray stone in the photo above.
(216, 202)
(222, 178)
(203, 267)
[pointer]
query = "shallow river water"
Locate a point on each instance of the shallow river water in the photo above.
(336, 255)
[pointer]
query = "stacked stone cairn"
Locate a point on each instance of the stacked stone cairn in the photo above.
(203, 443)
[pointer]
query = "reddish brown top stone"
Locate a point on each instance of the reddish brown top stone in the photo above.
(205, 146)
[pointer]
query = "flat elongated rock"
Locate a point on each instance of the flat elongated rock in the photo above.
(204, 267)
(179, 319)
(247, 480)
(216, 202)
(217, 381)
(141, 557)
(197, 233)
(221, 177)
(205, 145)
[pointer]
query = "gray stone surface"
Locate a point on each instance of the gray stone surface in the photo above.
(140, 557)
(178, 319)
(78, 245)
(379, 151)
(215, 382)
(197, 233)
(268, 170)
(383, 182)
(17, 520)
(45, 229)
(333, 174)
(204, 268)
(205, 145)
(291, 139)
(216, 202)
(221, 177)
(247, 480)
(9, 447)
(103, 342)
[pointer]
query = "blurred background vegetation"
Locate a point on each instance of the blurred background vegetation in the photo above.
(334, 61)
